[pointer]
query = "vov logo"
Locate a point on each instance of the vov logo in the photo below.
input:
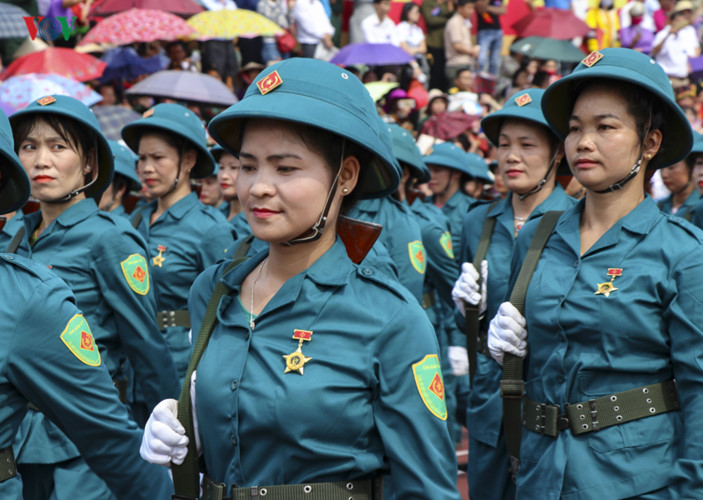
(49, 28)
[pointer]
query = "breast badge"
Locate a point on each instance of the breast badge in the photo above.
(159, 259)
(608, 287)
(295, 361)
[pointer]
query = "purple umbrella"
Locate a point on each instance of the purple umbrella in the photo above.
(371, 54)
(696, 64)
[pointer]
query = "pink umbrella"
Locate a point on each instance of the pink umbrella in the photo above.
(138, 25)
(551, 23)
(181, 7)
(57, 61)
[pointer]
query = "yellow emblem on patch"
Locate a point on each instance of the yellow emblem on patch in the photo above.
(430, 385)
(136, 272)
(592, 58)
(46, 100)
(523, 99)
(148, 113)
(269, 83)
(79, 340)
(446, 242)
(417, 256)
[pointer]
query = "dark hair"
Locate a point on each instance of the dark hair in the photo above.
(646, 108)
(406, 10)
(79, 137)
(461, 3)
(540, 78)
(461, 70)
(120, 181)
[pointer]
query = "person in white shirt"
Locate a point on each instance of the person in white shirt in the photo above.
(218, 4)
(378, 27)
(410, 37)
(677, 42)
(313, 26)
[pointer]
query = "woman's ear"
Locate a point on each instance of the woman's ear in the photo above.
(188, 160)
(349, 175)
(652, 144)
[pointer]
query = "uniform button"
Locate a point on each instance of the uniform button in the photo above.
(576, 263)
(366, 271)
(234, 439)
(234, 384)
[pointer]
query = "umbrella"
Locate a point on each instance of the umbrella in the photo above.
(231, 24)
(18, 91)
(138, 25)
(372, 54)
(379, 89)
(125, 63)
(12, 24)
(57, 61)
(180, 7)
(113, 118)
(551, 23)
(548, 48)
(185, 86)
(696, 64)
(448, 124)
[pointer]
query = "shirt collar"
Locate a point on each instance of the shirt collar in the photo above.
(72, 215)
(182, 206)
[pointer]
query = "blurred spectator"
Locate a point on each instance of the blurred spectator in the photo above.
(437, 13)
(281, 13)
(541, 80)
(412, 40)
(219, 59)
(107, 90)
(246, 75)
(626, 17)
(211, 192)
(490, 34)
(312, 26)
(463, 81)
(551, 67)
(676, 43)
(458, 48)
(636, 36)
(522, 79)
(378, 27)
(362, 10)
(604, 23)
(661, 16)
(178, 54)
(218, 4)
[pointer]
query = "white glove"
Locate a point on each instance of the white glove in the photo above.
(164, 439)
(507, 333)
(466, 287)
(459, 359)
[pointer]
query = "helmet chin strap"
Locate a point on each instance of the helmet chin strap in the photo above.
(178, 174)
(541, 183)
(315, 232)
(76, 192)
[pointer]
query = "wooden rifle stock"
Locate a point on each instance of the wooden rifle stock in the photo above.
(358, 236)
(414, 194)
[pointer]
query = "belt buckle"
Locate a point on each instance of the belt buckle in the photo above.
(562, 422)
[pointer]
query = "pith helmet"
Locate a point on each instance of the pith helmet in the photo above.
(175, 119)
(406, 152)
(319, 94)
(14, 183)
(637, 69)
(68, 107)
(125, 164)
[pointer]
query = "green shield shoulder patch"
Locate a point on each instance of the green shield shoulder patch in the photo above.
(136, 272)
(430, 385)
(79, 340)
(446, 241)
(417, 256)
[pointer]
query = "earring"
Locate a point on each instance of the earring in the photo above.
(345, 190)
(87, 169)
(648, 156)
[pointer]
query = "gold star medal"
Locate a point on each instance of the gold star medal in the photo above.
(295, 361)
(159, 259)
(607, 287)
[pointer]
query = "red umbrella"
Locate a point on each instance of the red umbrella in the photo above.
(551, 23)
(180, 7)
(448, 125)
(58, 61)
(138, 25)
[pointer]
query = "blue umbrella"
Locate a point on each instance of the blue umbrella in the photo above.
(125, 63)
(371, 54)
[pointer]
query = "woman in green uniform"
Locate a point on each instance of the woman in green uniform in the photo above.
(48, 359)
(528, 152)
(612, 328)
(678, 179)
(102, 259)
(123, 182)
(321, 376)
(183, 235)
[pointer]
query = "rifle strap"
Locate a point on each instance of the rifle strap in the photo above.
(16, 240)
(472, 321)
(512, 387)
(186, 477)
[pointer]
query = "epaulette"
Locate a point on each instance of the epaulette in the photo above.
(372, 274)
(38, 270)
(689, 227)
